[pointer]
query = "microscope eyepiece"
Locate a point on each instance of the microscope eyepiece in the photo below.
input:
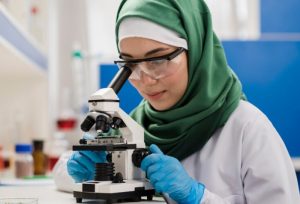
(119, 79)
(87, 124)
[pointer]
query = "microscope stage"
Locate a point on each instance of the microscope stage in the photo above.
(108, 147)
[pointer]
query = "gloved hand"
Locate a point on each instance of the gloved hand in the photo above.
(81, 164)
(167, 175)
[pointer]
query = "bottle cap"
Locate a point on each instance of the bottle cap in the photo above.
(23, 148)
(38, 144)
(77, 54)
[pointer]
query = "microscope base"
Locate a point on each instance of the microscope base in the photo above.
(115, 197)
(113, 192)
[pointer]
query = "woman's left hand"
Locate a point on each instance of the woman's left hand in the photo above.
(167, 175)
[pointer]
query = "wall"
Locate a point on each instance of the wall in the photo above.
(67, 31)
(235, 19)
(280, 16)
(23, 116)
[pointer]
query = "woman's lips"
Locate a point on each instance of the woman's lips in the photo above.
(155, 95)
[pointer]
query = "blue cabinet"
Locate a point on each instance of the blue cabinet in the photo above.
(269, 71)
(129, 97)
(280, 16)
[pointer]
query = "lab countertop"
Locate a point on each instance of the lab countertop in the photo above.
(47, 193)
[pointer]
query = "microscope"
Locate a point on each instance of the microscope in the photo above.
(120, 178)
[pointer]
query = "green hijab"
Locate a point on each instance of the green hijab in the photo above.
(213, 90)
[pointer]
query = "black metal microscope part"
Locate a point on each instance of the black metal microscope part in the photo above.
(138, 155)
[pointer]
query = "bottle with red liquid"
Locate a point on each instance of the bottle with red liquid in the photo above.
(66, 123)
(66, 120)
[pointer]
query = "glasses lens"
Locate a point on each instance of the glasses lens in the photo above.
(127, 64)
(154, 68)
(135, 75)
(162, 68)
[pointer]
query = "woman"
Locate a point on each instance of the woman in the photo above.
(208, 144)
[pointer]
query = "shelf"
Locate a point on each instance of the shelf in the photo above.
(14, 64)
(20, 53)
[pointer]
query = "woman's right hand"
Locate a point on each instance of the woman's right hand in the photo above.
(81, 164)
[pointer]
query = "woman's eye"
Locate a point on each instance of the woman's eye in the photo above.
(158, 62)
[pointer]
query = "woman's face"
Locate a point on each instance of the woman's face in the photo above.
(164, 92)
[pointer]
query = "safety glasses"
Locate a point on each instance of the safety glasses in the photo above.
(155, 67)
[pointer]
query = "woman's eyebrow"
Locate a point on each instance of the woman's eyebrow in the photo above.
(151, 52)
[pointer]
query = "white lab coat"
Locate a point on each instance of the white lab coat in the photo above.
(245, 162)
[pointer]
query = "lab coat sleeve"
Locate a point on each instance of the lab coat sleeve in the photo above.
(62, 179)
(267, 171)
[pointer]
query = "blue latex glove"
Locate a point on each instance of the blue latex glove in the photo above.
(167, 175)
(81, 164)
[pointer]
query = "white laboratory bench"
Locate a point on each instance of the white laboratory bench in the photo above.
(47, 194)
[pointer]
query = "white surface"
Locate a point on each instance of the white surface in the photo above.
(15, 64)
(235, 19)
(18, 26)
(46, 194)
(109, 187)
(101, 15)
(25, 182)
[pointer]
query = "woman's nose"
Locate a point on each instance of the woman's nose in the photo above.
(147, 79)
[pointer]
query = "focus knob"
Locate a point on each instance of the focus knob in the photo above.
(138, 155)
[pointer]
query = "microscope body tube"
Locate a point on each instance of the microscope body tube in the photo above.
(120, 78)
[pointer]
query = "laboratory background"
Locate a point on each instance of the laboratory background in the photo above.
(55, 53)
